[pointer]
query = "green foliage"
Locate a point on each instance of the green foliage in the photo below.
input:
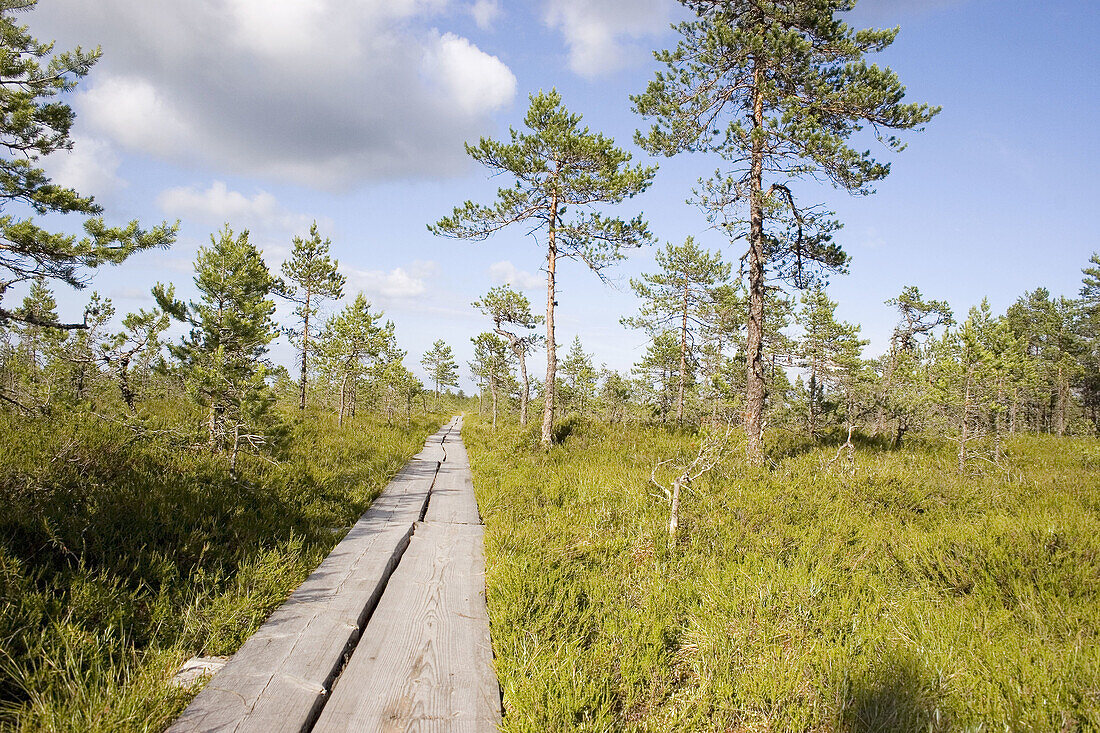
(557, 166)
(311, 277)
(830, 352)
(441, 365)
(578, 378)
(894, 596)
(508, 307)
(563, 175)
(353, 345)
(224, 356)
(122, 557)
(34, 123)
(492, 365)
(682, 296)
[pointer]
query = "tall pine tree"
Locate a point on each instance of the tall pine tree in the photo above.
(34, 123)
(680, 296)
(311, 276)
(224, 357)
(775, 89)
(563, 175)
(509, 308)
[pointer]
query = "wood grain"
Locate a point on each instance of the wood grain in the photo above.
(278, 680)
(425, 660)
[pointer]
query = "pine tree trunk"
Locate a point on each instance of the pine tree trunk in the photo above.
(812, 425)
(343, 400)
(755, 393)
(524, 396)
(1061, 405)
(212, 426)
(305, 354)
(683, 359)
(493, 388)
(551, 348)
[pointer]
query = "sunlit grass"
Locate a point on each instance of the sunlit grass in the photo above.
(895, 596)
(122, 557)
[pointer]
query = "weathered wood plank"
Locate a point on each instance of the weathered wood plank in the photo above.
(277, 681)
(452, 500)
(425, 660)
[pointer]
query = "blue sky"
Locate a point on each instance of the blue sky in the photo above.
(353, 112)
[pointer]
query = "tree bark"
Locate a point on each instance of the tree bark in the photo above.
(551, 347)
(305, 353)
(517, 345)
(343, 400)
(755, 389)
(683, 358)
(524, 396)
(493, 389)
(1061, 404)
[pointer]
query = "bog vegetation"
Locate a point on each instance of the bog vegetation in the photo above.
(758, 526)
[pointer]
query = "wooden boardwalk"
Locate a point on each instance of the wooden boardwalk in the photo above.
(411, 575)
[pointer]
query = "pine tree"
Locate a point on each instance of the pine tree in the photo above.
(1090, 340)
(775, 89)
(902, 393)
(829, 350)
(139, 339)
(973, 370)
(491, 365)
(508, 307)
(1047, 328)
(616, 392)
(681, 296)
(441, 366)
(579, 376)
(34, 123)
(224, 357)
(34, 369)
(353, 343)
(313, 276)
(557, 166)
(656, 371)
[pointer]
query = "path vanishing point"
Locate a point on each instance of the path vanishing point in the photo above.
(390, 633)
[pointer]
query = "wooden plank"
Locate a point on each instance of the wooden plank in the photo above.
(452, 500)
(278, 680)
(425, 659)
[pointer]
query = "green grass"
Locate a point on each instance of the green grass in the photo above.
(899, 596)
(122, 557)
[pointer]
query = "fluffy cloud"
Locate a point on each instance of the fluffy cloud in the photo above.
(325, 93)
(218, 204)
(485, 12)
(505, 273)
(598, 33)
(471, 79)
(90, 167)
(397, 284)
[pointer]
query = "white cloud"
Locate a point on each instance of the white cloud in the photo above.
(325, 93)
(471, 78)
(396, 284)
(505, 273)
(424, 268)
(270, 225)
(133, 113)
(598, 32)
(90, 167)
(485, 12)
